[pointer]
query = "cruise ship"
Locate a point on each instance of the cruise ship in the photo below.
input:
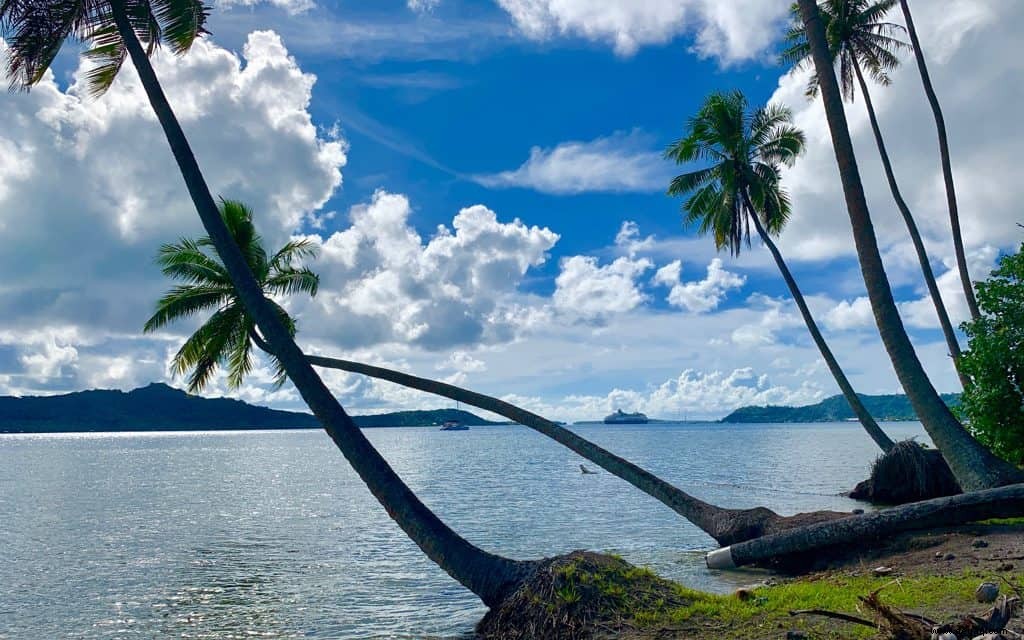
(626, 418)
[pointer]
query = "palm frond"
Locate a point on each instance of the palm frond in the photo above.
(290, 280)
(185, 301)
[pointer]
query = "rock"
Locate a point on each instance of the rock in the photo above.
(987, 592)
(1006, 566)
(989, 636)
(857, 512)
(947, 636)
(882, 571)
(939, 554)
(979, 543)
(949, 556)
(793, 634)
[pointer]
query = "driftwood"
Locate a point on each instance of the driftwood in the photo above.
(897, 625)
(1004, 502)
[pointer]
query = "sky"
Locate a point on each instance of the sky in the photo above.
(485, 181)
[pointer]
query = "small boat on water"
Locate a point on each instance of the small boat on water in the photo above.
(626, 418)
(453, 425)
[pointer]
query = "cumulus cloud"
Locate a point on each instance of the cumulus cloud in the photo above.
(695, 394)
(728, 30)
(89, 191)
(699, 296)
(620, 162)
(381, 282)
(586, 289)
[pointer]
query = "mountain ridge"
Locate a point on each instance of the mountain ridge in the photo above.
(884, 408)
(160, 407)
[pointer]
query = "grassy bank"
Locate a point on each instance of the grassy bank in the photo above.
(933, 574)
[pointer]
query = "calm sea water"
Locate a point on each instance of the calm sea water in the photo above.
(270, 534)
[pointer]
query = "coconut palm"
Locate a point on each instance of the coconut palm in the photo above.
(861, 41)
(947, 166)
(741, 188)
(228, 336)
(974, 466)
(115, 30)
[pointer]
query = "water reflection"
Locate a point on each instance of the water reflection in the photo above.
(213, 535)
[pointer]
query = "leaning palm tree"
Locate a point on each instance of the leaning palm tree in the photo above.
(974, 466)
(741, 188)
(947, 166)
(226, 340)
(860, 40)
(115, 30)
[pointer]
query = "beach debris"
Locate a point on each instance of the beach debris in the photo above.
(744, 593)
(979, 543)
(987, 592)
(882, 571)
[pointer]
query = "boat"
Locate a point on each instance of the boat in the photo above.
(626, 418)
(453, 425)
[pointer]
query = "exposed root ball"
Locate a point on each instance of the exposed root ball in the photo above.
(579, 596)
(907, 473)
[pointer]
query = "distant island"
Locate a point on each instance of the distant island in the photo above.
(159, 407)
(885, 408)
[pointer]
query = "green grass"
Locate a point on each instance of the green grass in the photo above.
(767, 610)
(1004, 521)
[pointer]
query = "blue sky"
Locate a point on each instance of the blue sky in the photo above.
(485, 180)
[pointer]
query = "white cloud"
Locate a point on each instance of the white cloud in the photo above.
(421, 6)
(850, 315)
(292, 7)
(382, 283)
(586, 289)
(699, 296)
(89, 191)
(728, 30)
(620, 162)
(628, 239)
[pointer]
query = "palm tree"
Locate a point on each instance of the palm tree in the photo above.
(115, 30)
(947, 166)
(859, 40)
(741, 188)
(227, 337)
(974, 466)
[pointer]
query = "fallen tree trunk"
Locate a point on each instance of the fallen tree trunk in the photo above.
(1004, 502)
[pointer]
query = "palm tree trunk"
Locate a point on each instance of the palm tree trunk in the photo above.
(1003, 502)
(726, 526)
(915, 235)
(974, 466)
(489, 576)
(862, 413)
(947, 166)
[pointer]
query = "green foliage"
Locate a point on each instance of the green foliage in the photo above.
(888, 408)
(36, 30)
(226, 338)
(744, 149)
(857, 35)
(993, 404)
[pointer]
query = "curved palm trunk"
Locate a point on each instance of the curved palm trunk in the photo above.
(489, 576)
(915, 235)
(862, 413)
(1003, 502)
(974, 466)
(947, 166)
(726, 526)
